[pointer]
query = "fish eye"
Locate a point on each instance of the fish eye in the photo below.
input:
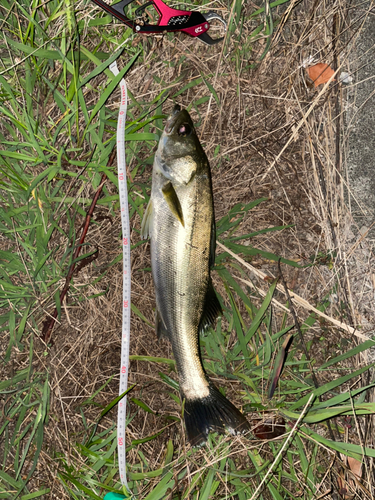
(184, 130)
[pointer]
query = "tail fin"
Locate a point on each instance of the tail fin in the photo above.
(214, 412)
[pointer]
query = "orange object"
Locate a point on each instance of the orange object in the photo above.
(320, 73)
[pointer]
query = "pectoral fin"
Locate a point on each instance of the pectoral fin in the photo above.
(212, 309)
(173, 202)
(146, 227)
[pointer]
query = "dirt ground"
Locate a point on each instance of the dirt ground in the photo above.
(274, 136)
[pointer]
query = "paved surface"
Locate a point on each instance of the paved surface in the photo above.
(361, 122)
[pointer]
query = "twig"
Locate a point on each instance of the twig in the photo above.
(302, 302)
(298, 126)
(50, 322)
(335, 38)
(291, 434)
(73, 182)
(297, 325)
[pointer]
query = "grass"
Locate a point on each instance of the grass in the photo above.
(58, 103)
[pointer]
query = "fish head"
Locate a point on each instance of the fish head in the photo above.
(179, 152)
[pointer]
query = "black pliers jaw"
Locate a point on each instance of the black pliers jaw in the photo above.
(191, 22)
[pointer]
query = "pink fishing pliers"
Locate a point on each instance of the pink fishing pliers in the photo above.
(191, 22)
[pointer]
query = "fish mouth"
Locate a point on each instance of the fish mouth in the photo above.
(172, 119)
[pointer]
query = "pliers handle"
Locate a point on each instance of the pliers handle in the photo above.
(191, 22)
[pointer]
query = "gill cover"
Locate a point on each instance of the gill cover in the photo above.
(179, 149)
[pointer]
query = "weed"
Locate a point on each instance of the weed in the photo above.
(58, 104)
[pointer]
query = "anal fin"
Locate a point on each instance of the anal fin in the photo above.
(211, 310)
(161, 330)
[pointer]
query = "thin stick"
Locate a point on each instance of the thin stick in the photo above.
(297, 325)
(49, 324)
(298, 126)
(291, 434)
(302, 302)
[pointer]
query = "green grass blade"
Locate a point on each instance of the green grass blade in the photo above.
(348, 449)
(315, 416)
(329, 387)
(259, 316)
(111, 87)
(159, 492)
(353, 352)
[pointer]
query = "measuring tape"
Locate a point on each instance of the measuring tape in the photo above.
(126, 310)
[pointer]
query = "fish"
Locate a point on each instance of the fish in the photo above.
(179, 220)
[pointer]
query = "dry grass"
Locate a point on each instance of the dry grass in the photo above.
(278, 138)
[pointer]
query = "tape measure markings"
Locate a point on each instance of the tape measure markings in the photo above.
(125, 224)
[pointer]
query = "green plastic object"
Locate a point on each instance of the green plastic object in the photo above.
(114, 496)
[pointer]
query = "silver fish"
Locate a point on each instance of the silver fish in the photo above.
(179, 220)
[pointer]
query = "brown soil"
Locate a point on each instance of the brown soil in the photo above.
(269, 146)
